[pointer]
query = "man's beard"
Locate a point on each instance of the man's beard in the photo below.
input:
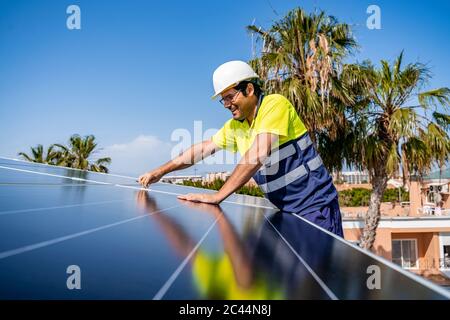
(241, 118)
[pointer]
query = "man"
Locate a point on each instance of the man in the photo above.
(275, 147)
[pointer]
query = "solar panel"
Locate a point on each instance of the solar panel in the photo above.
(130, 243)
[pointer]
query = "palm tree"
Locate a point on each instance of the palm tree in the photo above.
(78, 153)
(100, 165)
(301, 56)
(386, 132)
(38, 155)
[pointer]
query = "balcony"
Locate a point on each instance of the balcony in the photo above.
(432, 211)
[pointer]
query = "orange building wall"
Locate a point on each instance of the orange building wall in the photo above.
(386, 209)
(383, 242)
(427, 244)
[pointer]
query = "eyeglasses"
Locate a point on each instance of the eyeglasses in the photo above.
(229, 98)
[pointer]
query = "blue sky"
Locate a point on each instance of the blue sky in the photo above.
(138, 70)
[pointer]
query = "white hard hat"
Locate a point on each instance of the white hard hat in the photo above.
(230, 74)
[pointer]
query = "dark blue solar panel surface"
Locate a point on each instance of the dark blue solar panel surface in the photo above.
(131, 243)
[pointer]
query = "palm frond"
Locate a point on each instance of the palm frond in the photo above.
(436, 97)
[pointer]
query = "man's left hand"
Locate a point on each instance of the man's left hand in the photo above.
(201, 197)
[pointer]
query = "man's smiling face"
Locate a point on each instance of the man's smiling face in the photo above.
(241, 106)
(231, 101)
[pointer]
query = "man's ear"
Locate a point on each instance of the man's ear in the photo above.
(250, 90)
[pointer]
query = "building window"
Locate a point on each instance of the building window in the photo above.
(430, 197)
(446, 262)
(404, 253)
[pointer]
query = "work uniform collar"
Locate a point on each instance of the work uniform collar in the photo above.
(261, 97)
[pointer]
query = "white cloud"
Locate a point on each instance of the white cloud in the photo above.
(137, 156)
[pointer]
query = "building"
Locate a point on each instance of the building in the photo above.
(351, 177)
(180, 178)
(210, 177)
(420, 244)
(360, 179)
(415, 234)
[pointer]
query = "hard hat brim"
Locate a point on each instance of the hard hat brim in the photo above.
(227, 88)
(231, 86)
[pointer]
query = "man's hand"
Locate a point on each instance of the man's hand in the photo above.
(192, 155)
(212, 198)
(149, 178)
(205, 207)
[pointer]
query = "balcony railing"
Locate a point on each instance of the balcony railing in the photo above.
(433, 211)
(429, 263)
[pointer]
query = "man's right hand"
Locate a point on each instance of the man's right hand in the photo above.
(149, 178)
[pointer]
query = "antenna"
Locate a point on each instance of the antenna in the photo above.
(271, 7)
(253, 43)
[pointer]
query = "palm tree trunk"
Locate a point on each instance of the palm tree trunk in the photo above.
(379, 183)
